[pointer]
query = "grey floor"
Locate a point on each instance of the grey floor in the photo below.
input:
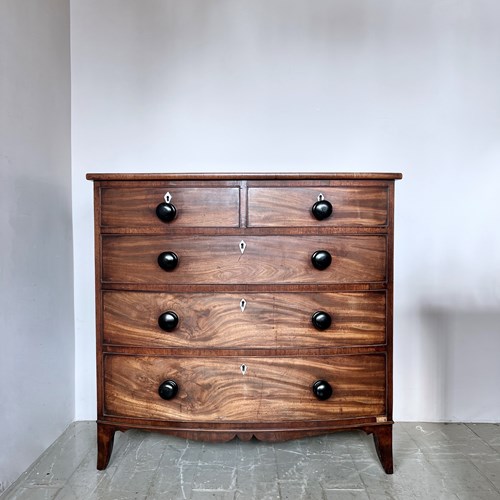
(432, 461)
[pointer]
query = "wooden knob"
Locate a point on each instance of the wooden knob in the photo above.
(168, 389)
(168, 261)
(321, 259)
(322, 390)
(321, 320)
(322, 209)
(168, 321)
(166, 212)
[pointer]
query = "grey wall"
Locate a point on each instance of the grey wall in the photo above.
(36, 262)
(288, 85)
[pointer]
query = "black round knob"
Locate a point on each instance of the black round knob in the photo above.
(168, 389)
(168, 321)
(322, 209)
(321, 259)
(322, 390)
(166, 212)
(321, 320)
(168, 261)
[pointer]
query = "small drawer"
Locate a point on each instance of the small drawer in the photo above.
(195, 207)
(245, 320)
(293, 206)
(247, 260)
(244, 389)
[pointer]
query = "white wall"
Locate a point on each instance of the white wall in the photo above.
(36, 262)
(295, 85)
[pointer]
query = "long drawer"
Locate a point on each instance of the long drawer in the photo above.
(245, 320)
(265, 259)
(244, 389)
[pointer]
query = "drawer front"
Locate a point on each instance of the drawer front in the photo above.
(292, 207)
(216, 390)
(266, 259)
(263, 320)
(195, 207)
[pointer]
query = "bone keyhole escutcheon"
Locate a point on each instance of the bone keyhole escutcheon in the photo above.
(243, 369)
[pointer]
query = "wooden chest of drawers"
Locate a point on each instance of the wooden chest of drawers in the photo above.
(244, 305)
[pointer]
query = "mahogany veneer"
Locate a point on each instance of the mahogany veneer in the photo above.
(261, 305)
(270, 320)
(267, 259)
(210, 391)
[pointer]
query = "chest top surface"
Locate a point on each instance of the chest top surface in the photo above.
(243, 176)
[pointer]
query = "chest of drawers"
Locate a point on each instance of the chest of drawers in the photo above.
(244, 305)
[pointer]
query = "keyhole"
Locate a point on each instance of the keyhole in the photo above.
(243, 369)
(167, 197)
(243, 245)
(321, 197)
(243, 304)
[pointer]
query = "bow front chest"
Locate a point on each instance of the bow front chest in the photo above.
(244, 305)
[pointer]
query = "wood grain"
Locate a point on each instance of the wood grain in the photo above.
(211, 390)
(196, 207)
(291, 207)
(217, 259)
(279, 320)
